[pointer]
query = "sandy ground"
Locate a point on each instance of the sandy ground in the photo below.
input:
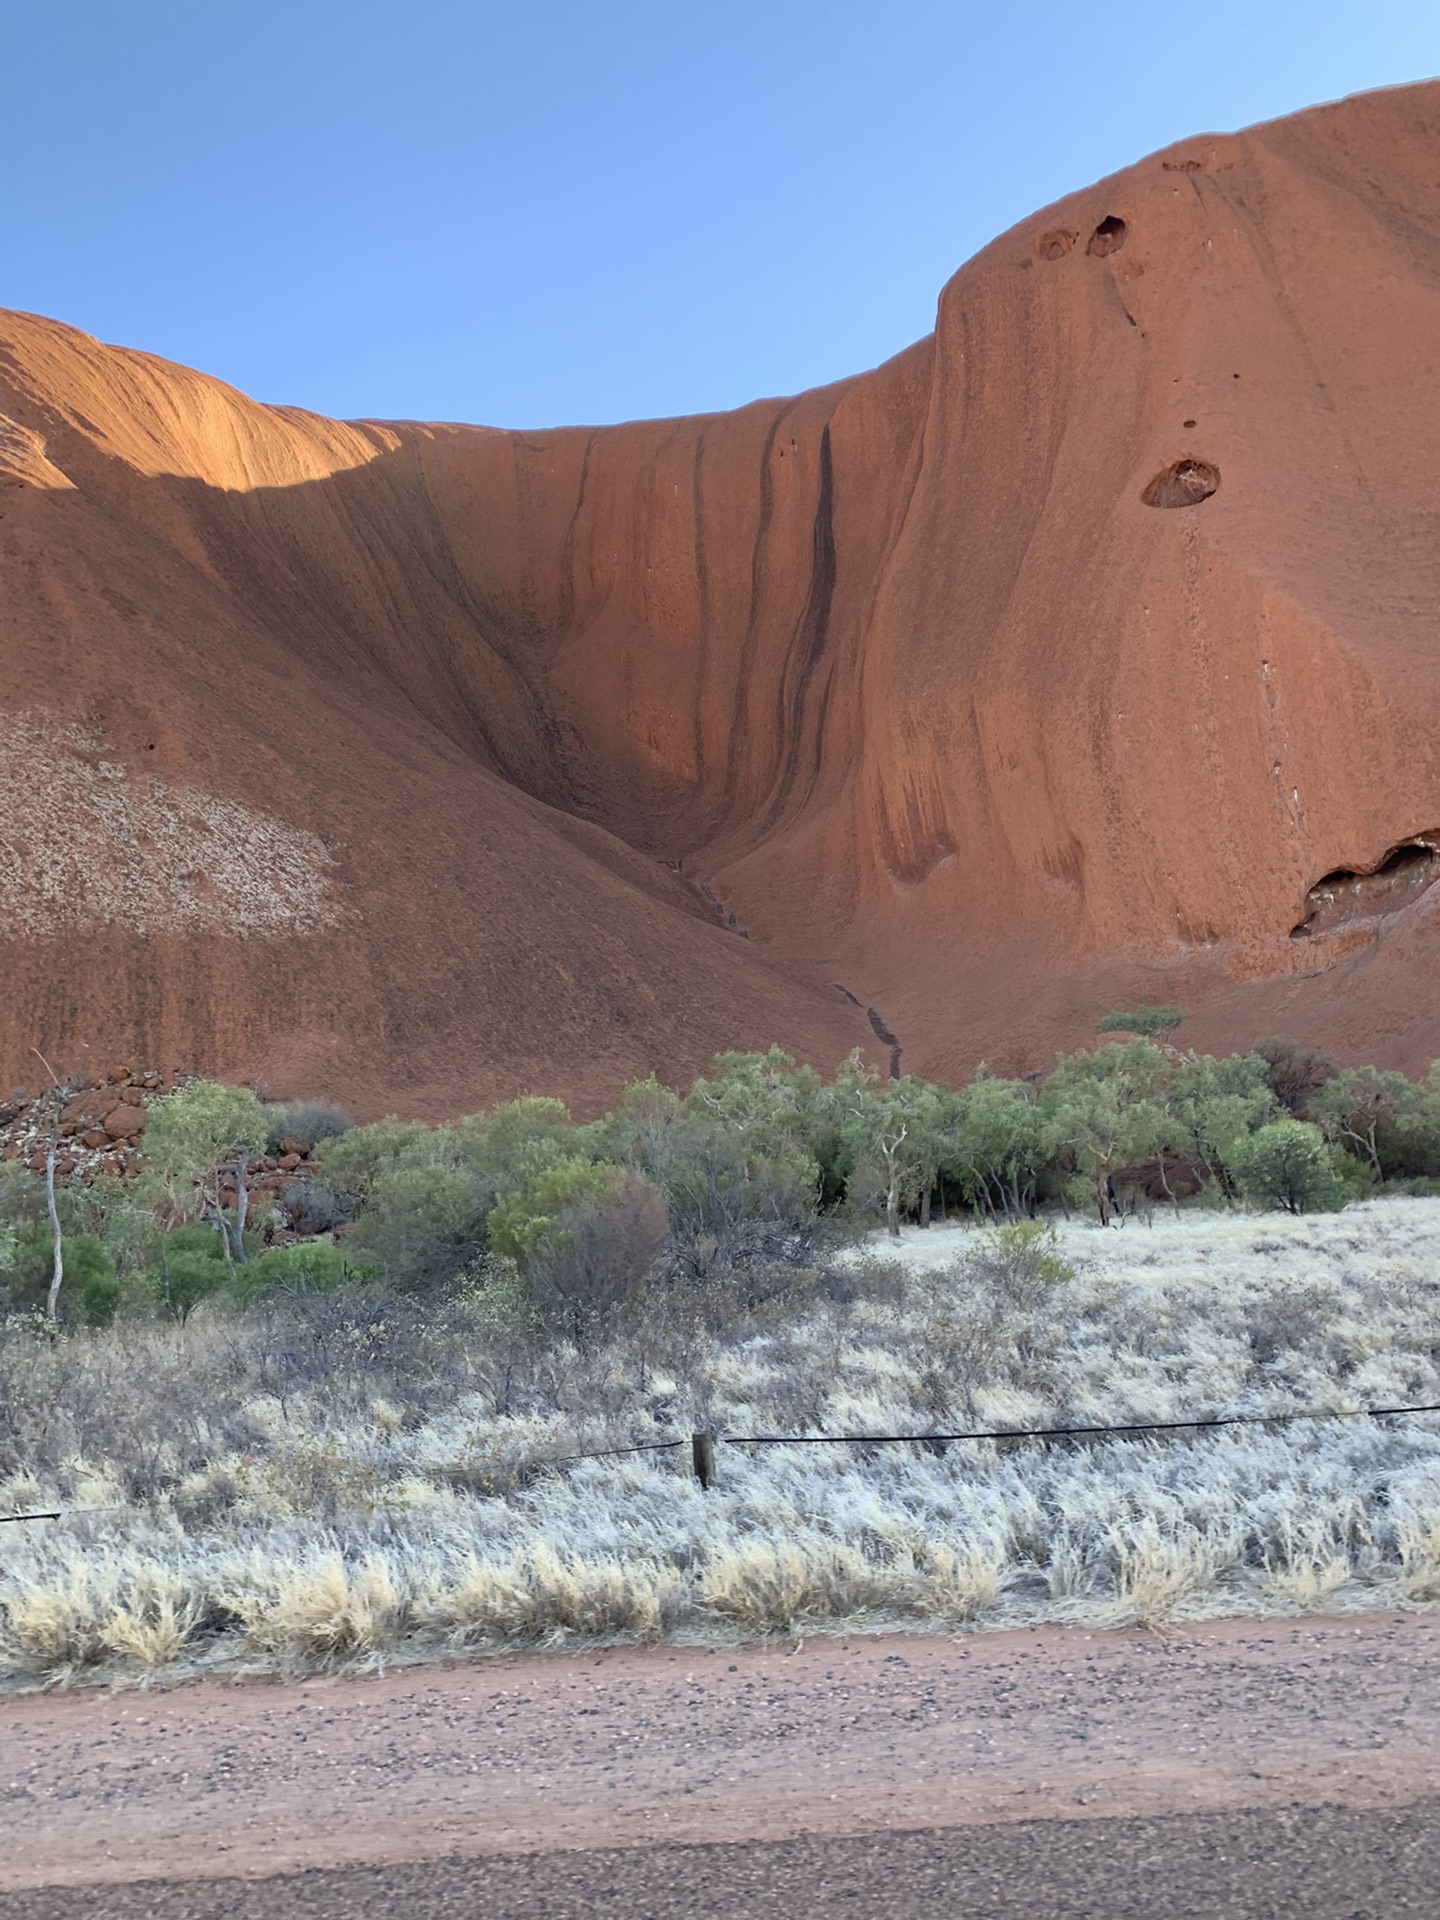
(637, 1746)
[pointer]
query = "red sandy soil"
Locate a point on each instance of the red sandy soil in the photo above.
(906, 673)
(629, 1747)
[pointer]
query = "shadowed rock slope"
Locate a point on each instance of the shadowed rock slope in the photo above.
(1087, 651)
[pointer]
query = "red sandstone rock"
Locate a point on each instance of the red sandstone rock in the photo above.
(94, 1137)
(125, 1123)
(1081, 654)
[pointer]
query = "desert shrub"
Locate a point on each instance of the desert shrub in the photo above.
(418, 1195)
(309, 1120)
(1149, 1022)
(186, 1276)
(313, 1206)
(1287, 1164)
(1020, 1263)
(992, 1318)
(1294, 1072)
(313, 1265)
(91, 1292)
(1290, 1321)
(597, 1252)
(91, 1279)
(526, 1219)
(733, 1158)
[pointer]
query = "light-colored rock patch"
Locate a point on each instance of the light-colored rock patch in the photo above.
(87, 841)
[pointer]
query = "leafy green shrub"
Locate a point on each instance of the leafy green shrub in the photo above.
(419, 1195)
(527, 1219)
(91, 1279)
(91, 1292)
(1020, 1263)
(1287, 1164)
(312, 1265)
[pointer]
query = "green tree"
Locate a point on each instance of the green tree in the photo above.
(1106, 1111)
(1382, 1117)
(193, 1138)
(997, 1142)
(896, 1134)
(1287, 1164)
(1215, 1105)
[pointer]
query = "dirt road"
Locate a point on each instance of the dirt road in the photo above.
(652, 1748)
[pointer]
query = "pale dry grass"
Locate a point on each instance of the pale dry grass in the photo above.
(323, 1490)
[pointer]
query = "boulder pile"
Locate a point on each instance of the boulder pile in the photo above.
(99, 1125)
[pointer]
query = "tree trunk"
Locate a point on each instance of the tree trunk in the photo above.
(242, 1207)
(222, 1222)
(892, 1208)
(57, 1273)
(1102, 1197)
(925, 1207)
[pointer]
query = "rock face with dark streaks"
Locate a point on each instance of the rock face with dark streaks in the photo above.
(418, 765)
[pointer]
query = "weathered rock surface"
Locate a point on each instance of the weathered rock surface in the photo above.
(417, 765)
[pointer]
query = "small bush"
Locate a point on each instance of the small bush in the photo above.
(1149, 1022)
(598, 1253)
(1020, 1264)
(312, 1266)
(309, 1120)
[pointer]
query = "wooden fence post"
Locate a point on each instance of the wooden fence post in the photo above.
(702, 1453)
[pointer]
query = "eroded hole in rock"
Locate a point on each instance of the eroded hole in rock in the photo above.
(1108, 237)
(1345, 896)
(1055, 244)
(1184, 483)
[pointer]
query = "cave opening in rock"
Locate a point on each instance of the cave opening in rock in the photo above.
(1349, 894)
(1184, 483)
(1108, 237)
(1055, 244)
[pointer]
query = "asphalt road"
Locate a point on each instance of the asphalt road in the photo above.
(1326, 1863)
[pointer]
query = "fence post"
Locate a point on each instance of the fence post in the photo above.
(702, 1454)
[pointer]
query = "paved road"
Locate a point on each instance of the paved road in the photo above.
(1319, 1863)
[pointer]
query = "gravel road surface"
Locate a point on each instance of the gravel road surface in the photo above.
(897, 1766)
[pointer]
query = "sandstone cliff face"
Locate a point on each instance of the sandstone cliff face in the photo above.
(1088, 650)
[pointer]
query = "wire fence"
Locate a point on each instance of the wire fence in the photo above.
(702, 1445)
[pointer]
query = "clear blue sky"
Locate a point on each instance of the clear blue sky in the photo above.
(549, 211)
